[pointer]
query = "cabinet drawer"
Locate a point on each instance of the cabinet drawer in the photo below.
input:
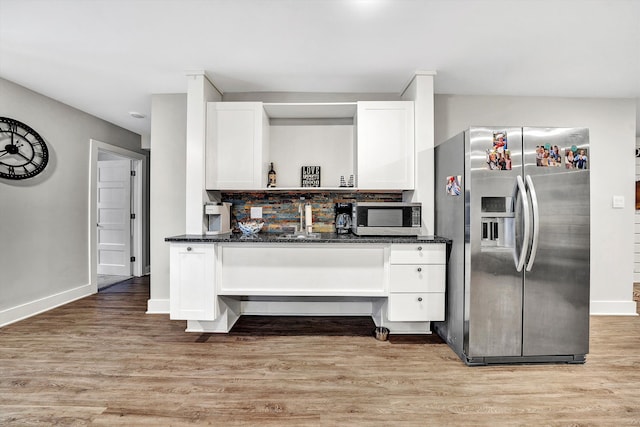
(418, 253)
(417, 278)
(416, 307)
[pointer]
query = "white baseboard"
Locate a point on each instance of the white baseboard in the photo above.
(29, 309)
(613, 308)
(158, 306)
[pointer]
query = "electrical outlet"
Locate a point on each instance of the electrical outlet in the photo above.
(256, 213)
(618, 202)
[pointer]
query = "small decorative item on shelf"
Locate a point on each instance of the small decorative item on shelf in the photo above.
(343, 183)
(271, 177)
(250, 228)
(351, 181)
(310, 176)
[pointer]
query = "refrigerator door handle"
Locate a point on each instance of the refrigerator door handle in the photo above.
(536, 220)
(520, 187)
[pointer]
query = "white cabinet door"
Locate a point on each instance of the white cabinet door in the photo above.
(235, 146)
(385, 146)
(192, 288)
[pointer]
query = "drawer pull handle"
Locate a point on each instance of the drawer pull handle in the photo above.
(419, 248)
(419, 298)
(188, 248)
(419, 269)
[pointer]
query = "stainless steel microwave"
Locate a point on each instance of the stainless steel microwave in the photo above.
(386, 218)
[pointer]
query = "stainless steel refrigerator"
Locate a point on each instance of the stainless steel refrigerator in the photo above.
(515, 202)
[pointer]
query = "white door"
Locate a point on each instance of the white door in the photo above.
(114, 217)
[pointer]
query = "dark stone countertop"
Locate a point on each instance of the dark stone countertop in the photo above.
(324, 238)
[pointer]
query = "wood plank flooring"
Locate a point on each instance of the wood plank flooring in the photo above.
(103, 361)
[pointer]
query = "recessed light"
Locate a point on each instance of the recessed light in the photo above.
(136, 115)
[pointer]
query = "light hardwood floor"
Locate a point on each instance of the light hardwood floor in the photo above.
(103, 361)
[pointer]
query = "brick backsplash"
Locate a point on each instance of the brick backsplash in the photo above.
(280, 209)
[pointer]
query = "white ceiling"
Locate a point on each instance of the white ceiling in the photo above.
(107, 57)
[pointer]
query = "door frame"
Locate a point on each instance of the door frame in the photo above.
(139, 165)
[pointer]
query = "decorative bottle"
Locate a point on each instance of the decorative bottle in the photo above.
(271, 177)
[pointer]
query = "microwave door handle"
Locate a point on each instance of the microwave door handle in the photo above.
(536, 221)
(519, 187)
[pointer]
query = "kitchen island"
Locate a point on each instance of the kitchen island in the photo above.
(398, 281)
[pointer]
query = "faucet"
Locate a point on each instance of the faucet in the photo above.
(301, 214)
(304, 210)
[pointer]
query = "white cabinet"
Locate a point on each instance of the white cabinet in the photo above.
(373, 140)
(417, 277)
(236, 145)
(402, 286)
(385, 147)
(192, 281)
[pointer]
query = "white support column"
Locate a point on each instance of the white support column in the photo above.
(420, 91)
(200, 90)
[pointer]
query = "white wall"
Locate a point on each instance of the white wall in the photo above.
(611, 124)
(168, 188)
(44, 221)
(330, 147)
(636, 254)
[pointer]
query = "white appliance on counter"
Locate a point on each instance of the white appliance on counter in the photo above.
(218, 218)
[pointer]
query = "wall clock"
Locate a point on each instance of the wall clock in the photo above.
(23, 152)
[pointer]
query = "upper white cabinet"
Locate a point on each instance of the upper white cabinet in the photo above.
(385, 156)
(236, 145)
(371, 140)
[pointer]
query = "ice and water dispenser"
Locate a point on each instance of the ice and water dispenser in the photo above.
(497, 222)
(218, 217)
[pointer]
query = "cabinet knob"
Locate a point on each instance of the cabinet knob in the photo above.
(419, 248)
(419, 298)
(419, 269)
(188, 248)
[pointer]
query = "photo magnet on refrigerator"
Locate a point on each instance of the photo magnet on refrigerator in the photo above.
(453, 185)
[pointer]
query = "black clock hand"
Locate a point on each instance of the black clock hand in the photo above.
(5, 152)
(24, 157)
